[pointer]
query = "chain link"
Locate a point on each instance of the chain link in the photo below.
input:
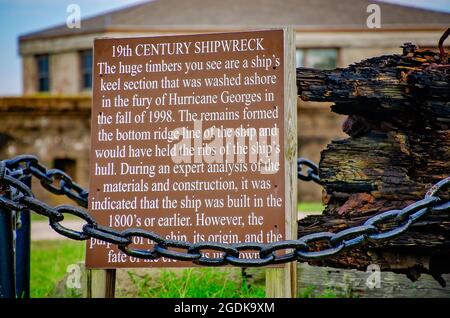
(54, 180)
(378, 228)
(312, 171)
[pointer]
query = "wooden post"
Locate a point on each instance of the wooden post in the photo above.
(101, 283)
(282, 282)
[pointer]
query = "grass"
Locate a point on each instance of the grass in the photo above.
(313, 291)
(34, 217)
(310, 207)
(196, 283)
(49, 261)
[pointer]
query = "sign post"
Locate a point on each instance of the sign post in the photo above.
(194, 138)
(282, 282)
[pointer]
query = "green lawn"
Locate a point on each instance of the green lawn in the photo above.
(196, 283)
(49, 261)
(34, 217)
(310, 207)
(37, 217)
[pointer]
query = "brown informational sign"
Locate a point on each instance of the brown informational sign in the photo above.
(188, 141)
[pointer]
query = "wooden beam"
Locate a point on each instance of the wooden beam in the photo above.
(282, 282)
(101, 283)
(399, 146)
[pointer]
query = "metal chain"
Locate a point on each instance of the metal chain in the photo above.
(378, 228)
(312, 171)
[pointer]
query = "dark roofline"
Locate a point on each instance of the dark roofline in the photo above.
(384, 2)
(181, 29)
(35, 34)
(41, 34)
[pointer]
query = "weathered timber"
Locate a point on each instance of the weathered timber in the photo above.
(398, 109)
(425, 249)
(401, 90)
(353, 283)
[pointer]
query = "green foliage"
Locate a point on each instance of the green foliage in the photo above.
(310, 207)
(34, 217)
(329, 292)
(49, 261)
(196, 283)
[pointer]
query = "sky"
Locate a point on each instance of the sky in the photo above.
(19, 17)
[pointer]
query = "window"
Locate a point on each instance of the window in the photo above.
(317, 58)
(67, 165)
(43, 73)
(86, 69)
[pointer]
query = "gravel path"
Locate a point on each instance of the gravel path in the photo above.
(40, 230)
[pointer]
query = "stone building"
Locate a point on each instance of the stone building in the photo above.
(51, 119)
